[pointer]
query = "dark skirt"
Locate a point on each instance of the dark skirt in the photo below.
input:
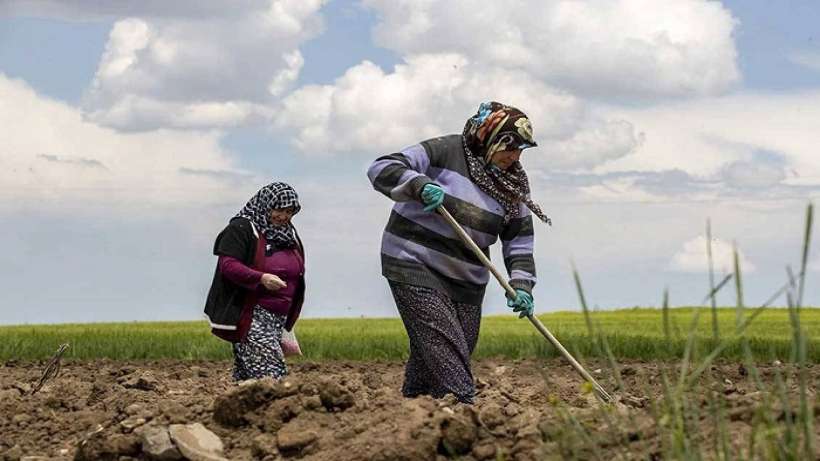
(260, 354)
(443, 334)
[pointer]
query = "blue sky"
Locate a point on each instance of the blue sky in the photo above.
(768, 35)
(134, 135)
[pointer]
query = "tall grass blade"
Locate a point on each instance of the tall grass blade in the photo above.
(585, 308)
(806, 409)
(804, 260)
(789, 437)
(613, 363)
(738, 286)
(723, 344)
(665, 310)
(747, 352)
(716, 289)
(715, 330)
(794, 320)
(687, 353)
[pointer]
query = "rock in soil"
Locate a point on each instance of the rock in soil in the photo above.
(157, 444)
(196, 442)
(129, 424)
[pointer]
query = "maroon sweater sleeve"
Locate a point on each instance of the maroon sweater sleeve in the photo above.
(238, 273)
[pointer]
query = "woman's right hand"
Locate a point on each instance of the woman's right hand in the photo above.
(432, 195)
(272, 282)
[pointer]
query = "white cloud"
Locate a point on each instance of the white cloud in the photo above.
(200, 71)
(747, 174)
(134, 113)
(50, 154)
(287, 76)
(599, 142)
(693, 257)
(606, 48)
(807, 59)
(754, 143)
(367, 110)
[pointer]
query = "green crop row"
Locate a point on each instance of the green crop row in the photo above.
(630, 333)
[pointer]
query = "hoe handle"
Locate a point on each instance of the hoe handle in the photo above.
(600, 392)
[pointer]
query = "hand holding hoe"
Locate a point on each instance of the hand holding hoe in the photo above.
(599, 391)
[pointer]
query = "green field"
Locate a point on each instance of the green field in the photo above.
(630, 334)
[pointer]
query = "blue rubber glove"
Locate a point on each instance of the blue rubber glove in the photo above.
(432, 196)
(522, 303)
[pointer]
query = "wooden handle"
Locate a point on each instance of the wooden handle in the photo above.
(480, 254)
(599, 390)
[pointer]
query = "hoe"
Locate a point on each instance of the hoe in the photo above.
(599, 390)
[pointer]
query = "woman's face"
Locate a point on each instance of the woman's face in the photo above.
(505, 158)
(280, 216)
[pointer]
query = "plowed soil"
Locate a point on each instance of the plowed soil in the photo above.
(526, 409)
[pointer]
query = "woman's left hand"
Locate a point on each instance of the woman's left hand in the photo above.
(522, 303)
(272, 282)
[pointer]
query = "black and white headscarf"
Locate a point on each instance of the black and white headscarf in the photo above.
(274, 196)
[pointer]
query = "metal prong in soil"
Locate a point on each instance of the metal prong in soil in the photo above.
(52, 369)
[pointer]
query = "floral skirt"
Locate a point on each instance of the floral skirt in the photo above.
(260, 354)
(443, 334)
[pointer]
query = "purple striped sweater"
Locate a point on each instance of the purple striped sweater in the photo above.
(420, 248)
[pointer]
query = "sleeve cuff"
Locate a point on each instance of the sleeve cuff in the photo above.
(256, 279)
(418, 183)
(521, 284)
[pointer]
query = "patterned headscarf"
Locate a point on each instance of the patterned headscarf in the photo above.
(274, 196)
(497, 127)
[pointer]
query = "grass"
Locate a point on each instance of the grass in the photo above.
(691, 412)
(637, 333)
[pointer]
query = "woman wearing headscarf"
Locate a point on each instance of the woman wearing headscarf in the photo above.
(259, 284)
(437, 282)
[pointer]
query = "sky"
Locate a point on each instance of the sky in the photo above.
(132, 131)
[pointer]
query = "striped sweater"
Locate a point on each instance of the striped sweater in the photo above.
(420, 248)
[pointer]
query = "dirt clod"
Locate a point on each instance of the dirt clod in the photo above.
(234, 407)
(9, 394)
(492, 415)
(484, 451)
(145, 381)
(104, 445)
(290, 439)
(265, 445)
(335, 397)
(458, 433)
(12, 454)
